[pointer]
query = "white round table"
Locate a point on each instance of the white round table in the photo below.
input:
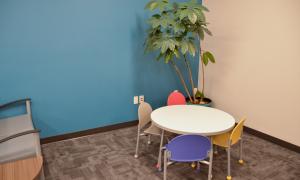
(191, 119)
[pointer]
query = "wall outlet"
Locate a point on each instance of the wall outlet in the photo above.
(142, 98)
(135, 99)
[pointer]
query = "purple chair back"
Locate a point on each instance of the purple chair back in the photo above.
(189, 148)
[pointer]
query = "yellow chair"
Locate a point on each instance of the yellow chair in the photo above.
(228, 139)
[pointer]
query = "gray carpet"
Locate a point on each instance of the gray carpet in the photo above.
(109, 156)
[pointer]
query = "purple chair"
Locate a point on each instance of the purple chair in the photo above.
(188, 148)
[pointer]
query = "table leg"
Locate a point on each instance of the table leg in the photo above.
(160, 150)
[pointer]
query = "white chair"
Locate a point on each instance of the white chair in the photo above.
(145, 127)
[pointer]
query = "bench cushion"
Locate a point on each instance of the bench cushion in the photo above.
(20, 147)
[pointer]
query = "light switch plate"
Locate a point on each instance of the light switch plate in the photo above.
(135, 100)
(142, 98)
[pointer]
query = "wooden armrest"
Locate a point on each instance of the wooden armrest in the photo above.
(2, 106)
(19, 134)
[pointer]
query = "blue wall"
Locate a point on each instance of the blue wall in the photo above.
(81, 62)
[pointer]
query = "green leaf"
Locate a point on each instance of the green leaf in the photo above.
(210, 56)
(183, 13)
(168, 57)
(192, 17)
(205, 59)
(171, 44)
(162, 4)
(201, 33)
(154, 22)
(204, 8)
(152, 5)
(164, 47)
(164, 23)
(156, 15)
(207, 31)
(178, 27)
(182, 5)
(184, 47)
(200, 15)
(156, 44)
(192, 49)
(199, 94)
(176, 52)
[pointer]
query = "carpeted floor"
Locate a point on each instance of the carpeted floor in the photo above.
(109, 156)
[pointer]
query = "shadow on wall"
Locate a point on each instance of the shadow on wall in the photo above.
(151, 78)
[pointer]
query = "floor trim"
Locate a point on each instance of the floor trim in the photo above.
(272, 139)
(249, 130)
(88, 132)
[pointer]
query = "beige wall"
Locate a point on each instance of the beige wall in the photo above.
(257, 74)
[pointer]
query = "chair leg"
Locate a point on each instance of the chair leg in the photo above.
(198, 166)
(215, 149)
(137, 144)
(228, 164)
(193, 165)
(160, 149)
(149, 139)
(165, 164)
(241, 161)
(211, 152)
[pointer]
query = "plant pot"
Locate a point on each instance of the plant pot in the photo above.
(207, 102)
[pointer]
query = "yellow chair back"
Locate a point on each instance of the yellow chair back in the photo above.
(237, 131)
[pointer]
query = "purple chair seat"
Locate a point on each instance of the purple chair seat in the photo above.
(188, 148)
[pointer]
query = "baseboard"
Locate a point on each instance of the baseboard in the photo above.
(88, 132)
(272, 139)
(249, 130)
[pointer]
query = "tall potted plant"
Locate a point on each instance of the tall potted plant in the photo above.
(175, 30)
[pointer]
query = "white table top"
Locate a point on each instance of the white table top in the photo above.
(192, 119)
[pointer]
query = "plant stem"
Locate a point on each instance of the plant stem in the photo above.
(190, 75)
(181, 79)
(202, 65)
